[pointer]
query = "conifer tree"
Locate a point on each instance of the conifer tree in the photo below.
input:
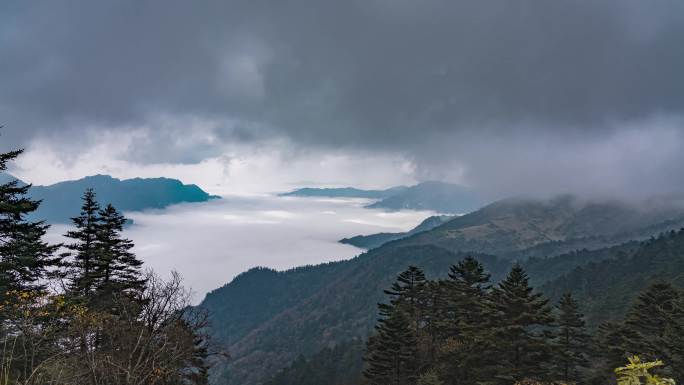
(466, 322)
(406, 290)
(522, 347)
(610, 353)
(84, 249)
(25, 259)
(571, 341)
(656, 323)
(392, 353)
(392, 356)
(116, 268)
(470, 286)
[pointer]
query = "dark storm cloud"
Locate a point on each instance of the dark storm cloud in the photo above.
(397, 75)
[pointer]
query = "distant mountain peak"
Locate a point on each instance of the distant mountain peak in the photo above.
(61, 201)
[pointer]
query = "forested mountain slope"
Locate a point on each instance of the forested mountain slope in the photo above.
(339, 311)
(605, 282)
(508, 227)
(315, 307)
(606, 288)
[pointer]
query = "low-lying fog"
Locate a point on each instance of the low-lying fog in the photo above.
(210, 243)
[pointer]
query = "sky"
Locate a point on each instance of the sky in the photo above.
(251, 96)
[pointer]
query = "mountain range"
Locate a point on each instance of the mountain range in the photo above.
(61, 201)
(267, 319)
(440, 197)
(376, 240)
(343, 192)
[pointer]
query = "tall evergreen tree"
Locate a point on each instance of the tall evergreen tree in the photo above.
(571, 340)
(84, 249)
(656, 323)
(470, 286)
(522, 347)
(462, 358)
(116, 268)
(406, 290)
(25, 259)
(392, 355)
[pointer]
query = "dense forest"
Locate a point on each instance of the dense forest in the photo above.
(306, 310)
(466, 330)
(85, 312)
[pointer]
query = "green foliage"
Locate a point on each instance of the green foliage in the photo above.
(606, 288)
(101, 262)
(638, 373)
(305, 310)
(25, 258)
(110, 326)
(84, 250)
(522, 317)
(340, 365)
(392, 353)
(571, 340)
(653, 327)
(461, 331)
(117, 269)
(429, 378)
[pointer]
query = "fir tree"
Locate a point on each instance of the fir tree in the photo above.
(25, 259)
(116, 268)
(656, 323)
(522, 347)
(571, 341)
(406, 290)
(392, 355)
(462, 359)
(610, 353)
(84, 251)
(470, 286)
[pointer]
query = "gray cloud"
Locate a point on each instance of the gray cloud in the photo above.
(471, 84)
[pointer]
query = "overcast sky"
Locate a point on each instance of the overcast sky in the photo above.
(508, 96)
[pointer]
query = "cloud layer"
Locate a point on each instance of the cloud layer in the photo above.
(512, 96)
(210, 243)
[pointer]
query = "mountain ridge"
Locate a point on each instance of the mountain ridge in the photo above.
(62, 200)
(343, 307)
(343, 192)
(440, 197)
(372, 241)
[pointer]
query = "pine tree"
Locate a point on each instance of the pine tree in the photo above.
(656, 323)
(609, 351)
(465, 323)
(25, 259)
(116, 268)
(522, 347)
(406, 291)
(392, 355)
(84, 251)
(470, 286)
(571, 340)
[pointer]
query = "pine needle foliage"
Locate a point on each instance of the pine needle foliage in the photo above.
(638, 373)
